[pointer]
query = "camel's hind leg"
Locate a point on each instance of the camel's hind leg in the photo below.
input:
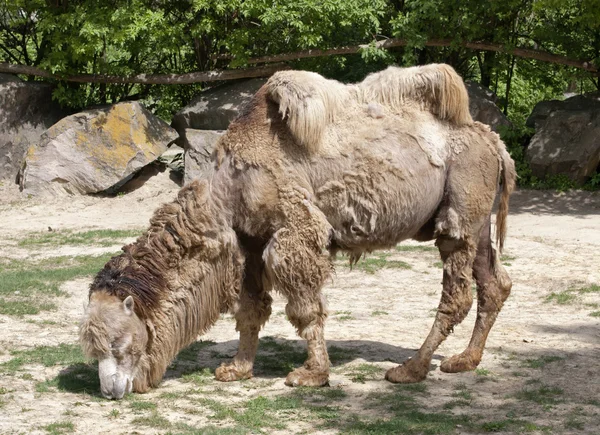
(493, 287)
(458, 255)
(251, 313)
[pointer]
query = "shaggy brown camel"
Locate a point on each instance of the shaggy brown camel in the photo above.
(311, 167)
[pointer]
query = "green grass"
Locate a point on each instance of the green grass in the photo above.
(482, 372)
(438, 264)
(154, 420)
(415, 248)
(28, 287)
(595, 314)
(379, 313)
(403, 415)
(562, 298)
(190, 353)
(512, 425)
(63, 354)
(343, 315)
(278, 358)
(77, 378)
(380, 261)
(61, 427)
(141, 406)
(199, 377)
(538, 363)
(364, 372)
(102, 237)
(571, 295)
(544, 395)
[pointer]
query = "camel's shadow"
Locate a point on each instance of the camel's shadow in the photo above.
(275, 358)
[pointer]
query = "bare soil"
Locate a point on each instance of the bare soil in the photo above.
(553, 245)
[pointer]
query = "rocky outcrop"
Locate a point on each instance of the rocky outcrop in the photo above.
(95, 150)
(26, 111)
(198, 147)
(215, 108)
(566, 139)
(483, 108)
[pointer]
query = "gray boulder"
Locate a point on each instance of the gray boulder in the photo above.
(483, 108)
(198, 147)
(26, 111)
(95, 150)
(567, 138)
(215, 108)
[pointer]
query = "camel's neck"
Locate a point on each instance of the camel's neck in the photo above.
(192, 246)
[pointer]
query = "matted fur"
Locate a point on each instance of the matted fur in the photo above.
(380, 168)
(182, 273)
(310, 102)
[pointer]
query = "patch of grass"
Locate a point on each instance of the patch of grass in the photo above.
(278, 358)
(544, 395)
(438, 264)
(198, 377)
(190, 353)
(594, 288)
(371, 265)
(364, 372)
(595, 314)
(154, 420)
(573, 422)
(78, 378)
(415, 248)
(541, 362)
(59, 428)
(63, 354)
(319, 394)
(570, 295)
(343, 315)
(141, 406)
(114, 413)
(379, 313)
(339, 355)
(26, 287)
(457, 403)
(482, 372)
(562, 298)
(405, 417)
(102, 237)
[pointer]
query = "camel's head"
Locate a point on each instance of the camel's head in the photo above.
(111, 332)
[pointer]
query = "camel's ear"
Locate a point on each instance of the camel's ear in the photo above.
(128, 305)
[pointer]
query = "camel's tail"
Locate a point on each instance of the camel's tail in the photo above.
(435, 87)
(508, 176)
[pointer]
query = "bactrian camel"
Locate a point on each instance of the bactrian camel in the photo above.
(311, 167)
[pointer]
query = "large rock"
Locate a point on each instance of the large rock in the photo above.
(26, 111)
(95, 150)
(215, 108)
(483, 108)
(198, 147)
(567, 138)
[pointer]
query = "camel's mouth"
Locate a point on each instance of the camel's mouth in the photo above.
(114, 382)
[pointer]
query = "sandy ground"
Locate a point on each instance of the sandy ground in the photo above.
(553, 244)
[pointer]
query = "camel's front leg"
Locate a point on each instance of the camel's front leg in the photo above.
(251, 313)
(298, 263)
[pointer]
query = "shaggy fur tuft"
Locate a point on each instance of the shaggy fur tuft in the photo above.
(436, 88)
(182, 274)
(311, 102)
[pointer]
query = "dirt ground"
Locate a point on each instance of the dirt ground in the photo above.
(540, 372)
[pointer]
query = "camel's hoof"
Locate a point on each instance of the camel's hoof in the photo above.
(458, 363)
(301, 377)
(404, 374)
(231, 372)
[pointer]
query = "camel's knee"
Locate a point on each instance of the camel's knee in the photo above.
(252, 310)
(308, 316)
(493, 282)
(457, 297)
